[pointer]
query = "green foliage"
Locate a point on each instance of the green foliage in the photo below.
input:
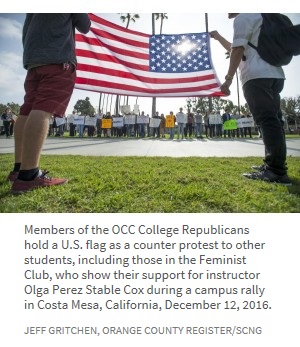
(84, 107)
(291, 109)
(203, 104)
(162, 17)
(148, 184)
(129, 17)
(15, 108)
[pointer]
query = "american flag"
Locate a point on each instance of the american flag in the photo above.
(115, 60)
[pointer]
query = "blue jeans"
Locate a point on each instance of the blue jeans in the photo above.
(80, 129)
(198, 129)
(180, 128)
(171, 132)
(141, 130)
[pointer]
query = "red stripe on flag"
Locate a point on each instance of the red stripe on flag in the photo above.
(132, 88)
(95, 42)
(122, 74)
(109, 58)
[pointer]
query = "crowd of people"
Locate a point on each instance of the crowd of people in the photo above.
(180, 125)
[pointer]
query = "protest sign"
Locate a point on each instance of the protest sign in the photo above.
(129, 119)
(170, 121)
(78, 120)
(106, 123)
(118, 122)
(91, 121)
(142, 119)
(230, 124)
(154, 122)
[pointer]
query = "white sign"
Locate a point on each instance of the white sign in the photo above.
(248, 122)
(70, 118)
(142, 119)
(78, 120)
(245, 122)
(129, 119)
(214, 119)
(60, 121)
(91, 121)
(118, 122)
(136, 109)
(154, 122)
(125, 109)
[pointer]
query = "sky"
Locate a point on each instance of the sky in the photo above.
(13, 73)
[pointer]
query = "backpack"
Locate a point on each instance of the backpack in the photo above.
(279, 39)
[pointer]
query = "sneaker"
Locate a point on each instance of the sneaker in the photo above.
(269, 176)
(41, 181)
(13, 175)
(258, 167)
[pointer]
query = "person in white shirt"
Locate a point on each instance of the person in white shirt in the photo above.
(262, 84)
(181, 119)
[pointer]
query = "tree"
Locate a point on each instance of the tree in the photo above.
(84, 106)
(162, 17)
(245, 109)
(125, 18)
(203, 104)
(129, 17)
(15, 108)
(156, 16)
(290, 107)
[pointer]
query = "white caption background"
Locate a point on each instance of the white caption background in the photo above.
(171, 284)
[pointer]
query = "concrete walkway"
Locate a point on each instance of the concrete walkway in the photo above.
(150, 147)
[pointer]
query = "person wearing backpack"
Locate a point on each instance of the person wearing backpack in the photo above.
(262, 84)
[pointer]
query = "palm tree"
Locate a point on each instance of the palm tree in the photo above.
(128, 17)
(162, 17)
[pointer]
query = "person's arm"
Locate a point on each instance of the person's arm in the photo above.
(235, 59)
(81, 22)
(226, 44)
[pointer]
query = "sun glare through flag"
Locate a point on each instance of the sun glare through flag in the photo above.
(179, 53)
(116, 60)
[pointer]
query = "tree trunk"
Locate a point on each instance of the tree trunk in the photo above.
(153, 98)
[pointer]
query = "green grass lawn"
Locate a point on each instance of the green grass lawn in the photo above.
(160, 184)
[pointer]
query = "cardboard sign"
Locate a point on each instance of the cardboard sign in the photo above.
(106, 123)
(170, 121)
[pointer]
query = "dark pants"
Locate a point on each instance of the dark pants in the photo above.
(262, 96)
(72, 129)
(6, 127)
